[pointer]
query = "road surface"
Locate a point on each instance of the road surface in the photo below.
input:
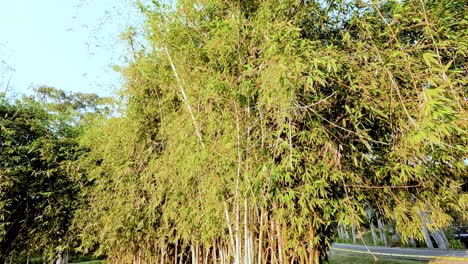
(406, 253)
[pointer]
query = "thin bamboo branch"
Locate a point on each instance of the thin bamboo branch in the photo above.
(290, 144)
(397, 88)
(364, 242)
(316, 103)
(246, 233)
(345, 129)
(228, 220)
(236, 198)
(260, 239)
(184, 96)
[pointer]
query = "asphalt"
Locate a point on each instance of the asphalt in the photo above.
(406, 253)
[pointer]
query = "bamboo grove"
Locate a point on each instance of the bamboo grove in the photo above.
(254, 129)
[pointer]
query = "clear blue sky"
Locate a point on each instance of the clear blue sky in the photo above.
(68, 44)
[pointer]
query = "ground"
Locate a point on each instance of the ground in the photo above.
(350, 258)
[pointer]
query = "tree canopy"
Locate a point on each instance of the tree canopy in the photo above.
(38, 195)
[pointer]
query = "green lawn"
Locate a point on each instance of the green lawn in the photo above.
(338, 258)
(90, 262)
(350, 258)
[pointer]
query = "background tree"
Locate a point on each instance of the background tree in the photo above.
(38, 195)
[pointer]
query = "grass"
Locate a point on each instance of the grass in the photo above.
(90, 262)
(367, 237)
(340, 258)
(335, 258)
(350, 258)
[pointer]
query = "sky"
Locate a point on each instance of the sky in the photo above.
(68, 44)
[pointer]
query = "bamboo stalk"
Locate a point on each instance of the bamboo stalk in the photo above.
(383, 237)
(215, 257)
(228, 220)
(272, 242)
(260, 240)
(290, 144)
(246, 233)
(425, 232)
(175, 255)
(353, 231)
(236, 198)
(207, 253)
(280, 243)
(184, 96)
(192, 249)
(222, 255)
(162, 253)
(251, 248)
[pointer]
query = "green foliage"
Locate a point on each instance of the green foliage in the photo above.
(37, 195)
(293, 115)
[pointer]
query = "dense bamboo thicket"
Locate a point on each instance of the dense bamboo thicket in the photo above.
(255, 129)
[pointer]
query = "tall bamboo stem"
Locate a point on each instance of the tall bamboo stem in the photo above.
(184, 97)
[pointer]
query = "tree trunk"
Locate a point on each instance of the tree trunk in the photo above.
(374, 235)
(383, 237)
(62, 257)
(427, 237)
(340, 232)
(369, 217)
(65, 257)
(444, 237)
(412, 242)
(346, 234)
(353, 231)
(439, 240)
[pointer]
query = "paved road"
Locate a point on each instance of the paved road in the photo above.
(407, 253)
